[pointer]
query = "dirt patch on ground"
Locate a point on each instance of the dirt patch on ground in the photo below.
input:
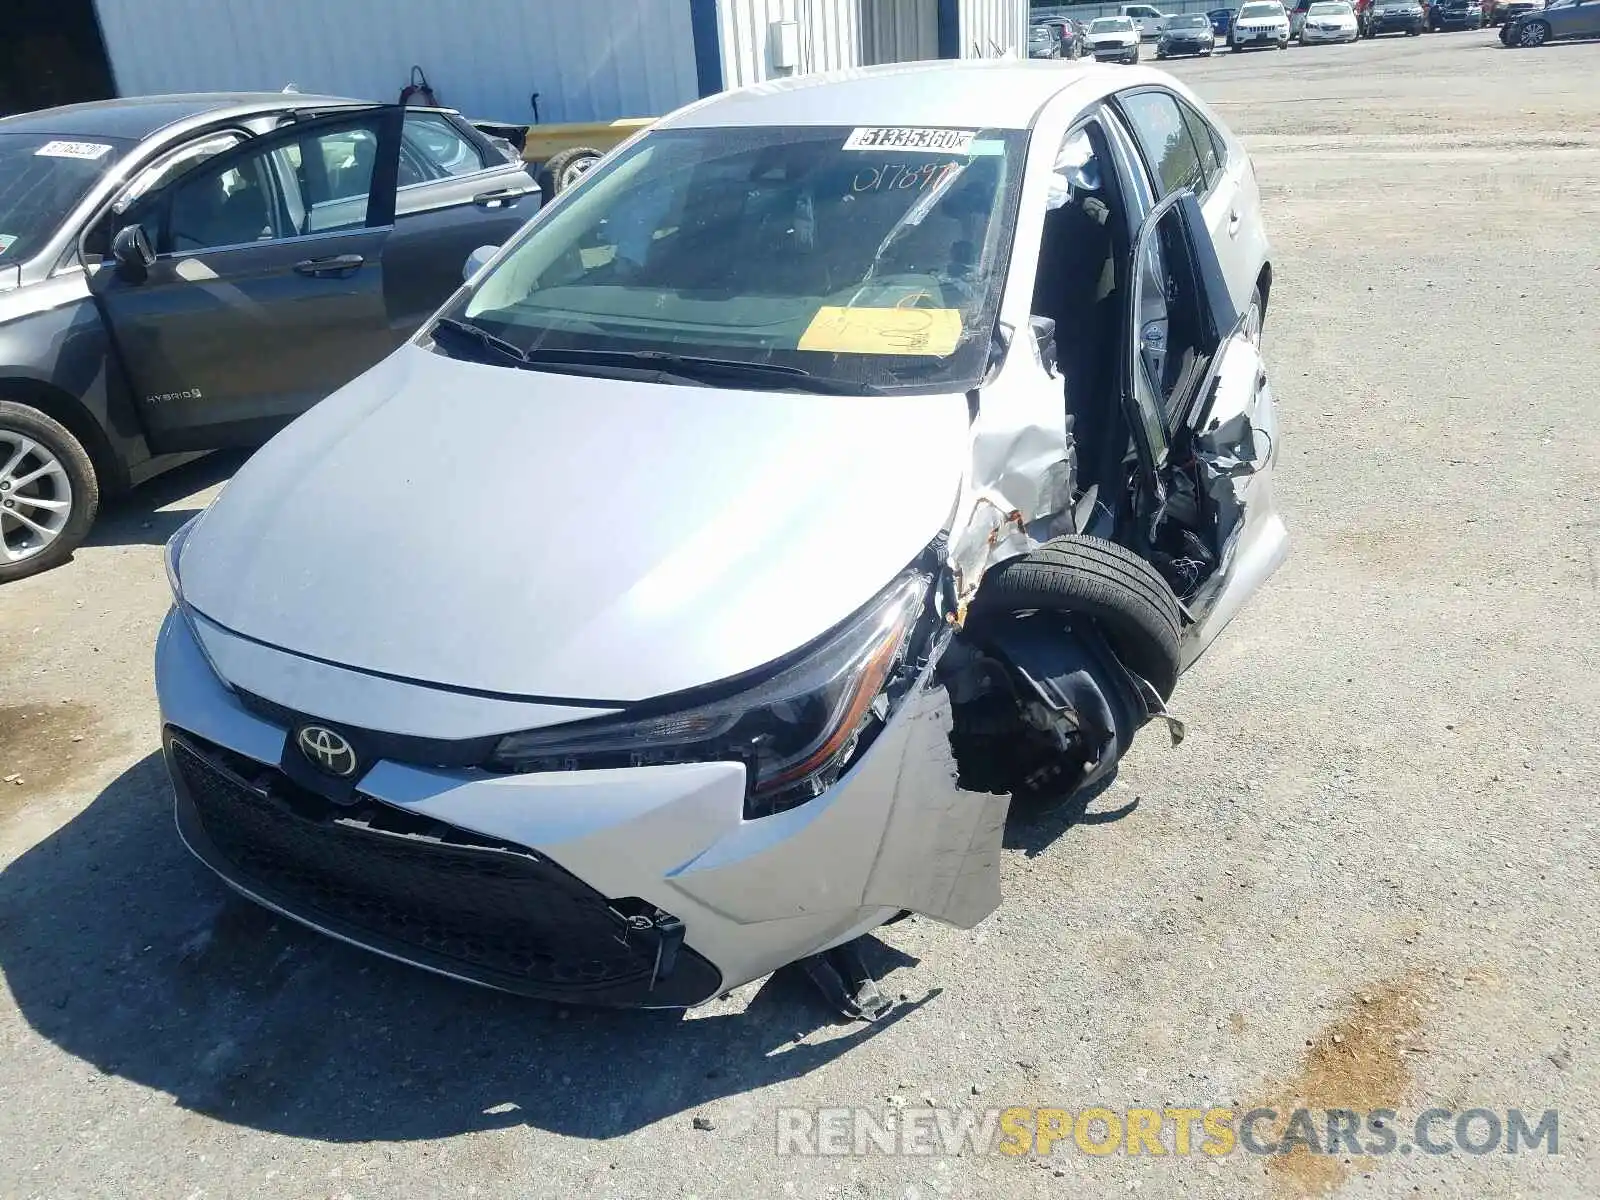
(43, 746)
(1359, 1061)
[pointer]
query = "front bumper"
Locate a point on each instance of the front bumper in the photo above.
(1187, 46)
(1258, 37)
(1308, 34)
(1398, 24)
(641, 886)
(1116, 53)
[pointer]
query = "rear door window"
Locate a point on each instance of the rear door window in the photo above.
(1165, 143)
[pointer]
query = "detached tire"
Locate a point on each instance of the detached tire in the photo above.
(1121, 592)
(562, 170)
(41, 466)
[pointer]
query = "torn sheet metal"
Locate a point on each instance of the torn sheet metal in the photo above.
(1020, 469)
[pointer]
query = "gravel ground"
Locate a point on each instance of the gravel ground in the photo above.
(1367, 879)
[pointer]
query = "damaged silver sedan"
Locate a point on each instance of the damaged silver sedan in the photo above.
(842, 458)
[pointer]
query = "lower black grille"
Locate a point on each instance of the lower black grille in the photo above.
(429, 892)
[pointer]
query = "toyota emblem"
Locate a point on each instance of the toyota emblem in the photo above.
(327, 751)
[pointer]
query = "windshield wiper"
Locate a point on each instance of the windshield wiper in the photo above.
(477, 335)
(702, 369)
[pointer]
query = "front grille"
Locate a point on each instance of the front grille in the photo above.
(430, 892)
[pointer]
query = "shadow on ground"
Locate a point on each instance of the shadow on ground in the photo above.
(149, 514)
(123, 951)
(1033, 826)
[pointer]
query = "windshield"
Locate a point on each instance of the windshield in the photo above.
(867, 256)
(1333, 9)
(42, 178)
(1111, 25)
(1188, 23)
(1258, 11)
(1042, 33)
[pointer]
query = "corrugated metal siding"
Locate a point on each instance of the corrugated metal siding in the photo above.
(992, 28)
(898, 31)
(830, 37)
(587, 60)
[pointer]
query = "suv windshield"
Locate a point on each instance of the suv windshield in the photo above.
(42, 178)
(1258, 11)
(866, 258)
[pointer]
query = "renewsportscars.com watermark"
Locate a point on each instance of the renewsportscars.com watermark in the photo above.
(1213, 1132)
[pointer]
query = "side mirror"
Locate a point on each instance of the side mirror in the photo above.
(1044, 337)
(477, 259)
(131, 251)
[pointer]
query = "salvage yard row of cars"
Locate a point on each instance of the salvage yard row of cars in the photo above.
(1272, 23)
(405, 703)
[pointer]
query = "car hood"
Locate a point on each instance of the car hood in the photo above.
(557, 536)
(1261, 23)
(1125, 38)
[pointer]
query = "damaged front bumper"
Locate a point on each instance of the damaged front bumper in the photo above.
(631, 886)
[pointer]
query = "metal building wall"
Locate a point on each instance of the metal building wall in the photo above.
(588, 59)
(830, 37)
(992, 28)
(898, 31)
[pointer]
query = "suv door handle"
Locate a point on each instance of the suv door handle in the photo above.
(1233, 223)
(503, 198)
(336, 267)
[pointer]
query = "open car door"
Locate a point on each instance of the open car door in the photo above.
(264, 290)
(1205, 431)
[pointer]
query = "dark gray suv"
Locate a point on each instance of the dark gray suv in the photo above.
(182, 273)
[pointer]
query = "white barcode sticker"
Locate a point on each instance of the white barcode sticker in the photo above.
(925, 141)
(85, 150)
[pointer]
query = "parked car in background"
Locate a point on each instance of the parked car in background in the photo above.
(1147, 18)
(1506, 10)
(1043, 42)
(1559, 19)
(402, 704)
(180, 273)
(1329, 21)
(1397, 16)
(1186, 33)
(1261, 23)
(1114, 39)
(1221, 22)
(1069, 36)
(1455, 14)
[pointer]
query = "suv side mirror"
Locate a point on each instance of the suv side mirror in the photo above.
(131, 251)
(476, 259)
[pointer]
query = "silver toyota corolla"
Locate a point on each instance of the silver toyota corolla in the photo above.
(842, 458)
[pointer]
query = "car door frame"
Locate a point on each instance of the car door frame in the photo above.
(503, 187)
(178, 433)
(1222, 200)
(1222, 427)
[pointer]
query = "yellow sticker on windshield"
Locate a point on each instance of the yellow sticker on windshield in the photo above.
(933, 332)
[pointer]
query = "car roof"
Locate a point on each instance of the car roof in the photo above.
(973, 93)
(139, 117)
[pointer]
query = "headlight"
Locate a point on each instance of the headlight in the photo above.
(173, 550)
(795, 731)
(172, 553)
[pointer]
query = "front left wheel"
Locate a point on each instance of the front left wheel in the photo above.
(48, 492)
(1534, 33)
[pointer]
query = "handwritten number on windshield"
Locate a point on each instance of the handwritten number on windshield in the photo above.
(900, 177)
